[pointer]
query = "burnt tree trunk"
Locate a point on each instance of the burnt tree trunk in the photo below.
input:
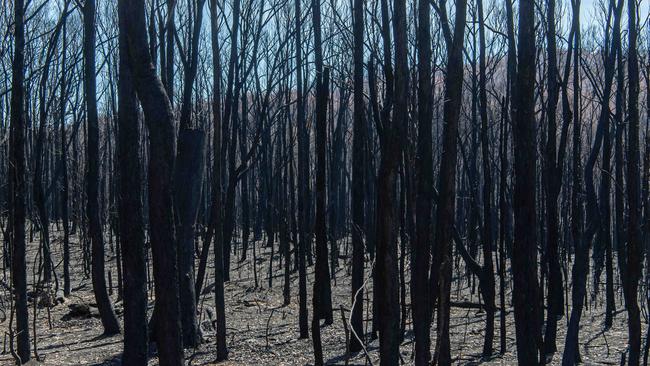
(634, 237)
(358, 184)
(130, 211)
(158, 118)
(487, 270)
(303, 181)
(109, 320)
(188, 178)
(421, 252)
(64, 168)
(446, 205)
(524, 255)
(17, 187)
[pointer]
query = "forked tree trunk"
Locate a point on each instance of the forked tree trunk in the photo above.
(158, 118)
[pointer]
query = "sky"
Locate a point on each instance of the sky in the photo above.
(589, 7)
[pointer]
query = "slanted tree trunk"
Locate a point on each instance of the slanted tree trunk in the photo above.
(594, 217)
(158, 118)
(446, 207)
(40, 198)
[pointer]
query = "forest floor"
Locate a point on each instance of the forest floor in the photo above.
(261, 331)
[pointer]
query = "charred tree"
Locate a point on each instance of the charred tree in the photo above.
(441, 266)
(386, 272)
(158, 118)
(421, 252)
(130, 211)
(358, 184)
(524, 255)
(109, 320)
(17, 188)
(633, 180)
(188, 178)
(303, 181)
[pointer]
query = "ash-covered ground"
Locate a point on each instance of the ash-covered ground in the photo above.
(261, 331)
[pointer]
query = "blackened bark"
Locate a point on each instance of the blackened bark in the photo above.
(524, 256)
(109, 320)
(634, 237)
(188, 177)
(553, 180)
(358, 184)
(505, 242)
(387, 285)
(230, 118)
(216, 210)
(131, 222)
(421, 253)
(64, 167)
(303, 181)
(40, 199)
(322, 284)
(158, 118)
(487, 270)
(445, 211)
(322, 295)
(167, 72)
(17, 185)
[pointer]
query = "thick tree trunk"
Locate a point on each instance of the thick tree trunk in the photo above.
(130, 213)
(188, 179)
(322, 301)
(322, 285)
(524, 257)
(386, 271)
(158, 118)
